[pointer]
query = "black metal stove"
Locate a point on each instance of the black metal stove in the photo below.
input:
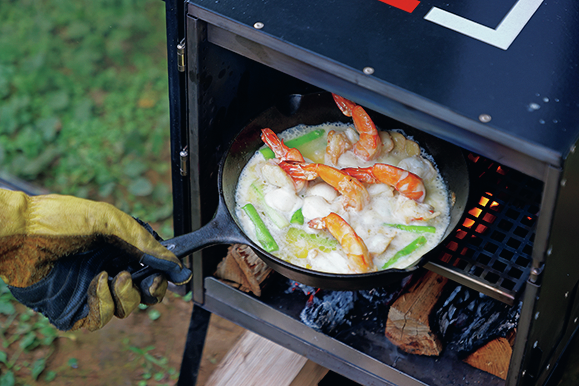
(497, 78)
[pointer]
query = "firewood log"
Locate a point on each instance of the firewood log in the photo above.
(494, 357)
(243, 269)
(408, 325)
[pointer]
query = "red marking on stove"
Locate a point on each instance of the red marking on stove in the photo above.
(405, 5)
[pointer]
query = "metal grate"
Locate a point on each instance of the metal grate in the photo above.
(490, 251)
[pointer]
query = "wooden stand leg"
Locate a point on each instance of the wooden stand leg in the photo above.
(257, 361)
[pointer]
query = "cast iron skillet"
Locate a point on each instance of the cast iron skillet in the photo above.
(311, 109)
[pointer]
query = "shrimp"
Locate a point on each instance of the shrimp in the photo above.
(407, 184)
(409, 210)
(352, 244)
(344, 105)
(282, 154)
(355, 194)
(369, 144)
(281, 151)
(338, 143)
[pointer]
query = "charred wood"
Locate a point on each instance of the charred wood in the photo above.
(466, 320)
(333, 312)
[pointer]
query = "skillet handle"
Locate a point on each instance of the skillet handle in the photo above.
(220, 230)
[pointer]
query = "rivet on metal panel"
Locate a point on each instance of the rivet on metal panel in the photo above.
(368, 70)
(258, 25)
(563, 182)
(534, 275)
(484, 118)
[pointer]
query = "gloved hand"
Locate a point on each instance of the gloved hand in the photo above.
(56, 253)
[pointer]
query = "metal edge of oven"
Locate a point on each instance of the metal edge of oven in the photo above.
(551, 303)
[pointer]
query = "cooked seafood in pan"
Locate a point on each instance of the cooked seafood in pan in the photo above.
(343, 198)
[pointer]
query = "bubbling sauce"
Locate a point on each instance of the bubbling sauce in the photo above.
(375, 223)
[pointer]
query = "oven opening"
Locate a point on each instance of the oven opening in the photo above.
(480, 273)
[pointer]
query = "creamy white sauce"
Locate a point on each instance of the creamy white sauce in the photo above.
(318, 199)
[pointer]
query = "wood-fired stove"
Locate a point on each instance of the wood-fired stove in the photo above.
(496, 78)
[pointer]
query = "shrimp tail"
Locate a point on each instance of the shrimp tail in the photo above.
(344, 105)
(281, 151)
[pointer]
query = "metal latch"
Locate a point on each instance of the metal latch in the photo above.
(184, 161)
(181, 56)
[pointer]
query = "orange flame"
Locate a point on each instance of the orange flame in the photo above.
(468, 223)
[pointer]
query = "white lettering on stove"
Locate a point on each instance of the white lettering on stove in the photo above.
(501, 37)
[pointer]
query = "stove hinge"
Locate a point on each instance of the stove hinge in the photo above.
(181, 56)
(184, 161)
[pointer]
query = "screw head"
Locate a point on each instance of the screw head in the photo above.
(485, 118)
(368, 70)
(258, 25)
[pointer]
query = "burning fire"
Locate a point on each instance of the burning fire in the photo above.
(477, 211)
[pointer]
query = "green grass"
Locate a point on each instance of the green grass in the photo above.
(83, 111)
(24, 332)
(83, 101)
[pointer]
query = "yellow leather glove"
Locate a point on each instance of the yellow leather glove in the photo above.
(56, 253)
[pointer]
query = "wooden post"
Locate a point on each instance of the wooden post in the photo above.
(257, 361)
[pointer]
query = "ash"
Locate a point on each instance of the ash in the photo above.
(325, 314)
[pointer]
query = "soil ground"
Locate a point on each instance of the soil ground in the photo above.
(110, 356)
